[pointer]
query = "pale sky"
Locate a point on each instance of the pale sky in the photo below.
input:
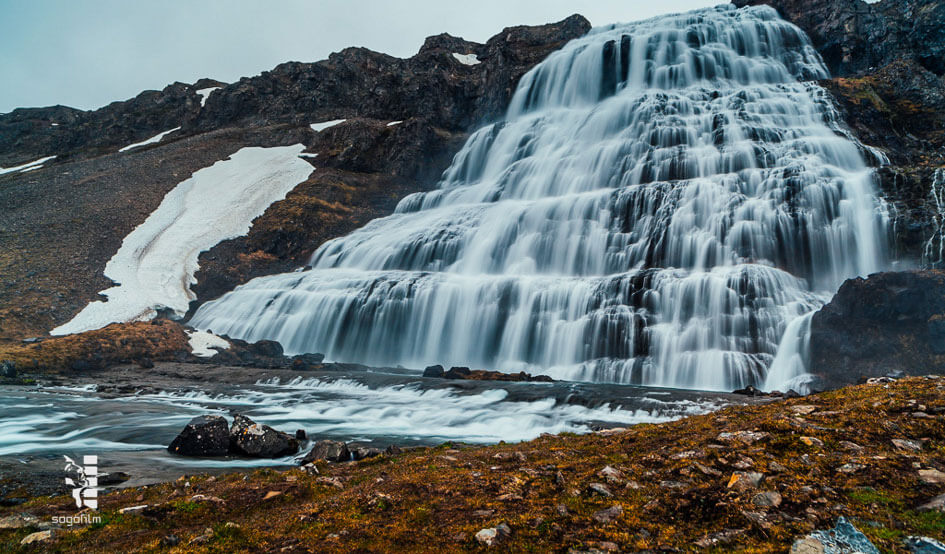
(87, 53)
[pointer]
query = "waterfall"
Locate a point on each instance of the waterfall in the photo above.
(662, 202)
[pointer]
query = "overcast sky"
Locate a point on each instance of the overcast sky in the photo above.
(87, 53)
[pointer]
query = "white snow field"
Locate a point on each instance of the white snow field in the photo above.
(318, 127)
(204, 94)
(156, 263)
(35, 164)
(466, 59)
(202, 343)
(155, 138)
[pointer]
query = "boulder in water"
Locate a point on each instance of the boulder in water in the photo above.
(207, 435)
(433, 371)
(457, 373)
(330, 451)
(7, 369)
(248, 438)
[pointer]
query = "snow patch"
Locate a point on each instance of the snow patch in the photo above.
(204, 93)
(156, 263)
(392, 123)
(202, 343)
(466, 59)
(35, 164)
(318, 127)
(155, 138)
(309, 155)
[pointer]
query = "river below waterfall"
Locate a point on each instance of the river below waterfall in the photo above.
(128, 425)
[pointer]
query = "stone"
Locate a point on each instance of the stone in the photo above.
(435, 371)
(363, 452)
(600, 488)
(850, 468)
(133, 509)
(248, 438)
(775, 467)
(8, 369)
(843, 538)
(936, 504)
(812, 441)
(741, 480)
(328, 450)
(851, 446)
(767, 499)
(609, 514)
(494, 535)
(18, 521)
(611, 475)
(457, 373)
(37, 537)
(924, 545)
(745, 437)
(932, 476)
(905, 444)
(803, 409)
(204, 436)
(272, 494)
(718, 539)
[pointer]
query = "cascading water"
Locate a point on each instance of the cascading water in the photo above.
(665, 203)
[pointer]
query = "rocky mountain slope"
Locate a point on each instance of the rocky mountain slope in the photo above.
(63, 221)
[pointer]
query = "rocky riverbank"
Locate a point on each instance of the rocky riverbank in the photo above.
(748, 478)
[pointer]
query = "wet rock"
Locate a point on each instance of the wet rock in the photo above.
(767, 499)
(924, 545)
(457, 373)
(38, 537)
(248, 438)
(936, 504)
(750, 391)
(435, 371)
(307, 362)
(609, 514)
(494, 535)
(300, 435)
(932, 476)
(328, 450)
(876, 325)
(843, 538)
(204, 436)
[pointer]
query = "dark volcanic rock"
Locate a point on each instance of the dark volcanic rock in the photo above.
(331, 451)
(888, 322)
(248, 438)
(457, 373)
(203, 436)
(8, 369)
(433, 371)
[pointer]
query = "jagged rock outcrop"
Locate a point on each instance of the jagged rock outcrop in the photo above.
(886, 323)
(61, 223)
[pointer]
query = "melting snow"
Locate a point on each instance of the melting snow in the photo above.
(317, 127)
(155, 138)
(156, 263)
(309, 155)
(204, 94)
(467, 59)
(35, 164)
(202, 343)
(392, 123)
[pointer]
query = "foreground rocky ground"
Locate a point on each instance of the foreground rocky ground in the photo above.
(748, 478)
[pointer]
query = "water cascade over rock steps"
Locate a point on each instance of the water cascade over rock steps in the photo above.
(665, 203)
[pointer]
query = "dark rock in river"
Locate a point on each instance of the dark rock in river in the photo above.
(203, 436)
(457, 373)
(331, 451)
(7, 369)
(433, 371)
(248, 438)
(889, 322)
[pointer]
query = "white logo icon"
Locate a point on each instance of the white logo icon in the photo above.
(85, 491)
